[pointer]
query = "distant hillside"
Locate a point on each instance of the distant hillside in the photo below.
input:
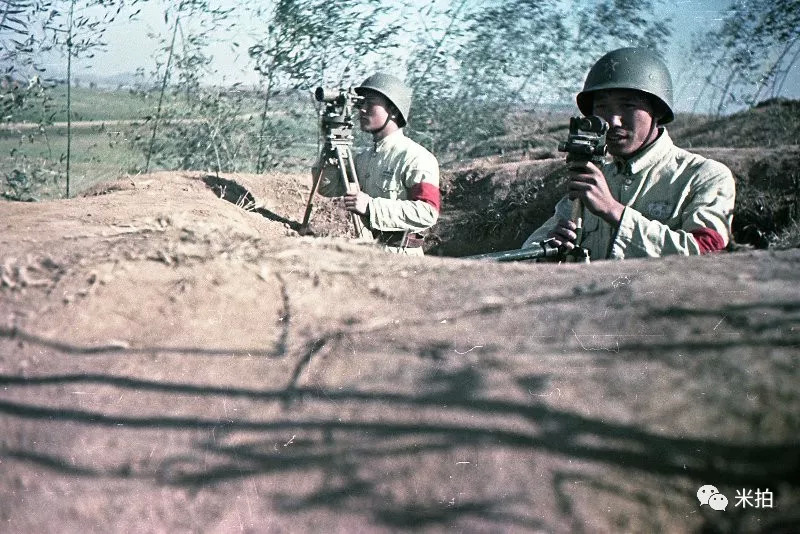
(122, 80)
(774, 122)
(536, 134)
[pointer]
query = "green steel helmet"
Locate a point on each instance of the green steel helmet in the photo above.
(640, 69)
(398, 93)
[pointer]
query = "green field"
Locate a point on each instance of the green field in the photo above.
(93, 105)
(96, 155)
(110, 133)
(89, 104)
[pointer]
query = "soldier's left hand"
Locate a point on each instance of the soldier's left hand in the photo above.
(357, 202)
(587, 183)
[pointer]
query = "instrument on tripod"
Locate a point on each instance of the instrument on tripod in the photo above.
(586, 142)
(337, 127)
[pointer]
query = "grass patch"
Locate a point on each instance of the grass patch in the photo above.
(110, 137)
(97, 155)
(789, 237)
(770, 124)
(93, 105)
(117, 105)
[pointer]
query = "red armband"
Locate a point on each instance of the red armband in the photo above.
(427, 193)
(708, 240)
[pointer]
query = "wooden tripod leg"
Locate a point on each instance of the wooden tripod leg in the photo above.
(358, 224)
(577, 218)
(310, 203)
(347, 172)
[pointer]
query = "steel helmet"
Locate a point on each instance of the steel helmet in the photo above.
(398, 93)
(640, 69)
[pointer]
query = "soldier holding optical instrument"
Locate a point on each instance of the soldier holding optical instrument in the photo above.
(653, 198)
(397, 195)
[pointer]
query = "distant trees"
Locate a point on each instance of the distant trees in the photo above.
(753, 52)
(201, 122)
(314, 42)
(478, 62)
(31, 28)
(282, 59)
(303, 43)
(20, 41)
(77, 27)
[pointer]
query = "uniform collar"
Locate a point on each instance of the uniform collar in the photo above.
(647, 157)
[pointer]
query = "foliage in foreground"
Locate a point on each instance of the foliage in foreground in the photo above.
(27, 179)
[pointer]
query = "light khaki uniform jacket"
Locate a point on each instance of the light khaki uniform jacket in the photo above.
(402, 178)
(675, 202)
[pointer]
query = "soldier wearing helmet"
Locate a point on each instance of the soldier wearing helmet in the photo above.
(653, 198)
(399, 179)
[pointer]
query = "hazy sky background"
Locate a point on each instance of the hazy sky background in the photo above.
(129, 47)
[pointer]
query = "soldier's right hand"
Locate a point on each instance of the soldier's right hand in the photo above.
(564, 235)
(588, 184)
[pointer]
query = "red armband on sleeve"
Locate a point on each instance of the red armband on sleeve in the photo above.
(708, 240)
(427, 193)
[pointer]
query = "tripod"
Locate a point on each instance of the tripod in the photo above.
(338, 153)
(577, 254)
(338, 127)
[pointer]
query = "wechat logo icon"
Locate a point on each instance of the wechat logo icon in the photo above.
(711, 496)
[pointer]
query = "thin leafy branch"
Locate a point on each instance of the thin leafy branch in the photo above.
(754, 50)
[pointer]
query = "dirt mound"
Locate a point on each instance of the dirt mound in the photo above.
(174, 357)
(495, 206)
(772, 123)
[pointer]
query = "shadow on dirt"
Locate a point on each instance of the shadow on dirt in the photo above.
(236, 194)
(91, 350)
(349, 452)
(352, 453)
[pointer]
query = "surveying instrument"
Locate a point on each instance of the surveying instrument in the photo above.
(337, 127)
(586, 142)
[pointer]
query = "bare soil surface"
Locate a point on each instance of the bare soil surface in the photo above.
(174, 357)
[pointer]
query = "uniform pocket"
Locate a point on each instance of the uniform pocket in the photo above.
(389, 186)
(659, 210)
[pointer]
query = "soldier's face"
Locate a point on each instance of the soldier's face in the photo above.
(373, 112)
(631, 120)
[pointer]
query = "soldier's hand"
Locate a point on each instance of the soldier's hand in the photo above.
(587, 183)
(564, 235)
(357, 202)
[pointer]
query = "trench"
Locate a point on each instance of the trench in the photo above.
(493, 208)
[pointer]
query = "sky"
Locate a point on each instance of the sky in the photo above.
(130, 47)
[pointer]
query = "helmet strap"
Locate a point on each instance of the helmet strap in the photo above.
(385, 124)
(376, 134)
(642, 146)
